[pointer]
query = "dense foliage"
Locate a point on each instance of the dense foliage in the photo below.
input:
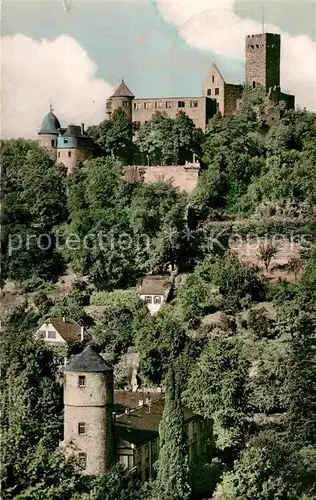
(231, 344)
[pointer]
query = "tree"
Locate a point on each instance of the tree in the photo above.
(266, 253)
(216, 390)
(114, 136)
(173, 470)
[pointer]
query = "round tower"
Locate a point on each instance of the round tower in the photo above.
(48, 134)
(88, 406)
(121, 99)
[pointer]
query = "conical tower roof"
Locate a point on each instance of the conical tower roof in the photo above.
(122, 91)
(50, 124)
(88, 361)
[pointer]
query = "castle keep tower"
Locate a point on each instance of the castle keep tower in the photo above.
(263, 55)
(122, 98)
(88, 402)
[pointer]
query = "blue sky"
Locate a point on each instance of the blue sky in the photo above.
(157, 47)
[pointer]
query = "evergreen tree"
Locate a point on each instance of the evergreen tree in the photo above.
(173, 469)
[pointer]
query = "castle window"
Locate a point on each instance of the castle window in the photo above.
(58, 154)
(148, 299)
(252, 46)
(157, 300)
(51, 334)
(137, 105)
(181, 104)
(81, 428)
(69, 154)
(52, 143)
(193, 104)
(213, 78)
(81, 381)
(65, 141)
(158, 105)
(257, 46)
(253, 84)
(125, 104)
(209, 91)
(169, 104)
(83, 460)
(147, 105)
(217, 91)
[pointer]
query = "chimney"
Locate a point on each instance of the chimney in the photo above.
(81, 333)
(82, 128)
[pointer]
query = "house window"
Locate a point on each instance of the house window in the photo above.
(147, 105)
(193, 104)
(65, 141)
(157, 299)
(169, 104)
(217, 91)
(83, 460)
(213, 78)
(81, 428)
(181, 104)
(209, 91)
(69, 154)
(148, 299)
(81, 381)
(137, 105)
(51, 334)
(158, 105)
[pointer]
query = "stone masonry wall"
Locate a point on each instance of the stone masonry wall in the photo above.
(183, 177)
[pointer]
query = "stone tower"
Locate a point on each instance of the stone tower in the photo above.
(263, 54)
(88, 406)
(122, 98)
(48, 134)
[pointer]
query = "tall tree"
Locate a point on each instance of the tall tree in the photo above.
(173, 470)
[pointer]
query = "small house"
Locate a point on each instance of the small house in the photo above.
(155, 291)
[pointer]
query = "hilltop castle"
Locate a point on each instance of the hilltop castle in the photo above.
(71, 146)
(263, 57)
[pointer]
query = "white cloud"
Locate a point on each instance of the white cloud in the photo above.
(35, 73)
(213, 25)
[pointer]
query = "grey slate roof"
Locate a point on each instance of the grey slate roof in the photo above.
(122, 91)
(88, 361)
(50, 124)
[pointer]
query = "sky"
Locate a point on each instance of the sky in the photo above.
(74, 53)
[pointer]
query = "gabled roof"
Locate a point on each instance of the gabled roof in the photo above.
(68, 329)
(88, 361)
(215, 69)
(155, 285)
(147, 418)
(122, 91)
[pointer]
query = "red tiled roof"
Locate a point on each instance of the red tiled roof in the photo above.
(68, 329)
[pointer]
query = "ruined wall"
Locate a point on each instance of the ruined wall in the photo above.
(183, 177)
(231, 95)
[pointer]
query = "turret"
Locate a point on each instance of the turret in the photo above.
(88, 405)
(48, 133)
(122, 98)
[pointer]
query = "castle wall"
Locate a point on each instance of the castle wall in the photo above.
(72, 158)
(183, 177)
(231, 95)
(195, 107)
(49, 143)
